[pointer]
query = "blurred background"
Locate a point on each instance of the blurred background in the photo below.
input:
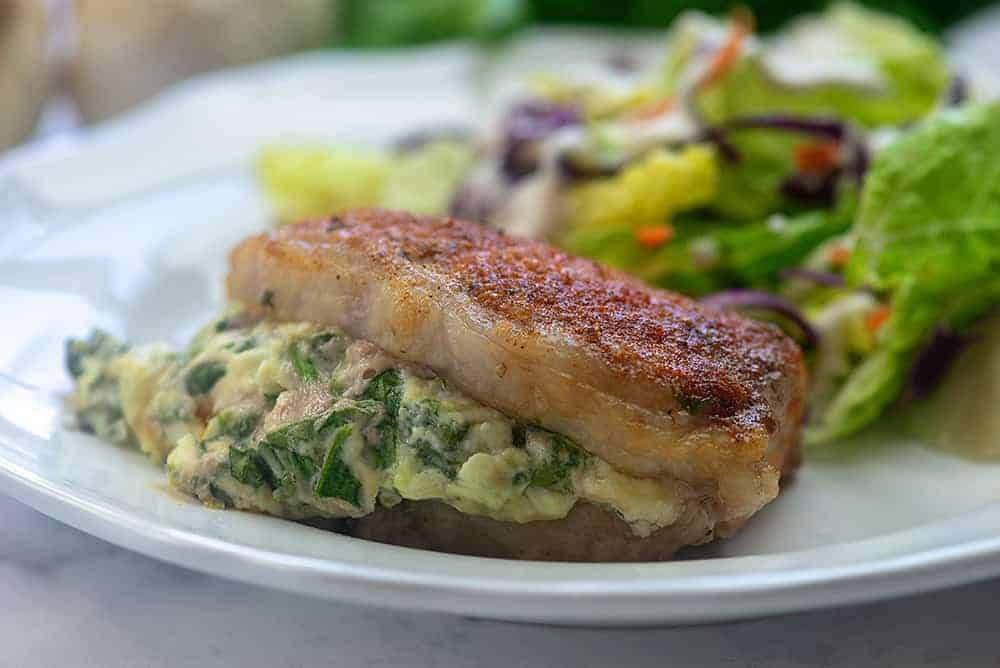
(65, 62)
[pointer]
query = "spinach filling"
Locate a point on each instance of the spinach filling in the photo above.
(336, 478)
(285, 460)
(202, 377)
(315, 356)
(99, 346)
(386, 390)
(556, 472)
(98, 402)
(439, 443)
(399, 423)
(302, 362)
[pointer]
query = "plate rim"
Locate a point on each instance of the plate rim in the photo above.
(590, 600)
(675, 600)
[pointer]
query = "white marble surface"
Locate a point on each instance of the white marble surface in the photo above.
(67, 599)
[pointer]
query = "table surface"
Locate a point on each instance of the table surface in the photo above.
(72, 600)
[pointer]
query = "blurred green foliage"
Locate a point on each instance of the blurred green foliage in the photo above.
(381, 23)
(933, 15)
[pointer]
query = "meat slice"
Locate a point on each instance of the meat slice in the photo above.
(648, 380)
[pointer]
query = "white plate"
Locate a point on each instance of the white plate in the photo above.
(127, 229)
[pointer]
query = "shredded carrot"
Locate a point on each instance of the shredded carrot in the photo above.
(727, 54)
(818, 157)
(839, 256)
(654, 109)
(654, 236)
(877, 318)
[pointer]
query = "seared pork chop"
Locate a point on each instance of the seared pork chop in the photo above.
(649, 381)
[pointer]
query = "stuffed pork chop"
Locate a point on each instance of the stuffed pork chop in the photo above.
(449, 387)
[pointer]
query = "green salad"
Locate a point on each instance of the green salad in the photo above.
(836, 178)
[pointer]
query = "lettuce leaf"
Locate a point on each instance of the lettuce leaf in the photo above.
(928, 236)
(311, 181)
(931, 205)
(706, 256)
(879, 378)
(750, 188)
(646, 192)
(848, 62)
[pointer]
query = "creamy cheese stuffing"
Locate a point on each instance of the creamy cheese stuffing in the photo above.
(298, 420)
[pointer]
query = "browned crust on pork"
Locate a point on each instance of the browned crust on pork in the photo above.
(720, 363)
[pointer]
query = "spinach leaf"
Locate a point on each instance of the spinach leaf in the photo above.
(245, 466)
(294, 434)
(284, 468)
(386, 388)
(246, 344)
(202, 378)
(235, 425)
(434, 458)
(99, 345)
(220, 495)
(335, 478)
(427, 412)
(303, 364)
(563, 459)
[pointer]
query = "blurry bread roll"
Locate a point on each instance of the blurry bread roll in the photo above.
(128, 50)
(24, 71)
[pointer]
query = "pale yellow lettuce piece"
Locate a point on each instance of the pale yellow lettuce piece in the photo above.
(424, 180)
(306, 182)
(647, 192)
(595, 102)
(310, 181)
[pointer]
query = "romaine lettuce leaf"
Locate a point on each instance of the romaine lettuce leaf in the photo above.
(706, 256)
(928, 236)
(646, 192)
(931, 204)
(848, 62)
(874, 383)
(750, 188)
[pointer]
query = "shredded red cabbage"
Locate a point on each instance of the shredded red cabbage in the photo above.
(958, 91)
(934, 360)
(524, 126)
(757, 300)
(818, 190)
(718, 137)
(573, 167)
(411, 141)
(803, 187)
(858, 161)
(828, 128)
